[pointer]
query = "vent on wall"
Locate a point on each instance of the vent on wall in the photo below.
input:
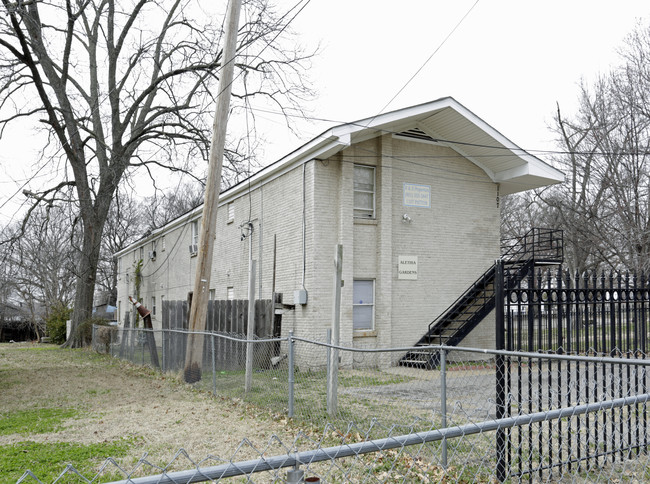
(416, 133)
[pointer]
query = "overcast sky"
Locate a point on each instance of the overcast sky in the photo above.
(509, 61)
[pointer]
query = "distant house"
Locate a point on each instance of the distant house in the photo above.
(16, 324)
(413, 197)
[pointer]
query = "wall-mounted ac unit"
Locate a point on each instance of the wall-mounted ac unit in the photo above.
(152, 254)
(194, 249)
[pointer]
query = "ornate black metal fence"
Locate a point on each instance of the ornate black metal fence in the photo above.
(588, 315)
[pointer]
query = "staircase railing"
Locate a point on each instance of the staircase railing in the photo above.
(521, 254)
(478, 288)
(538, 244)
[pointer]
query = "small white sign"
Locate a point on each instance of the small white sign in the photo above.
(407, 267)
(417, 195)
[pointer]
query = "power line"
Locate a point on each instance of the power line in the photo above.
(530, 151)
(429, 58)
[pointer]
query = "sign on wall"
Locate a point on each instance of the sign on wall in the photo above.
(407, 267)
(417, 195)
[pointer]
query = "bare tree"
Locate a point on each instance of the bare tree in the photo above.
(604, 206)
(119, 85)
(164, 207)
(123, 226)
(40, 264)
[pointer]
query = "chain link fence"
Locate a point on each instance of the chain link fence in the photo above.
(366, 419)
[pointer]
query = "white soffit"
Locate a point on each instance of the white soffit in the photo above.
(452, 125)
(446, 122)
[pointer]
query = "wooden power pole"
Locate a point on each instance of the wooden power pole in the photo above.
(199, 308)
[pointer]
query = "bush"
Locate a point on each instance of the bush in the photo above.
(55, 323)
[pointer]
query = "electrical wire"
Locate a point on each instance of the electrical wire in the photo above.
(512, 149)
(444, 41)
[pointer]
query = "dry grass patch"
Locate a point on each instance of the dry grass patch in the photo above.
(102, 400)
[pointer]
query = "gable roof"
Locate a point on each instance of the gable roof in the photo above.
(444, 122)
(448, 123)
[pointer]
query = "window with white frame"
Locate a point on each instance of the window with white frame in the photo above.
(153, 305)
(195, 232)
(364, 191)
(142, 253)
(363, 293)
(230, 293)
(162, 244)
(212, 294)
(231, 213)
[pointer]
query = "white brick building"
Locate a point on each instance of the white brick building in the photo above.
(420, 185)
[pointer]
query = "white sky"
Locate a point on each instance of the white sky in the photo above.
(509, 62)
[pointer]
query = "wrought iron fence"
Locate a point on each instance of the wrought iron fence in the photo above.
(568, 314)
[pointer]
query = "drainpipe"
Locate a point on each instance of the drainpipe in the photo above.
(304, 215)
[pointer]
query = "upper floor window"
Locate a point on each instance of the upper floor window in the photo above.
(195, 232)
(364, 191)
(231, 212)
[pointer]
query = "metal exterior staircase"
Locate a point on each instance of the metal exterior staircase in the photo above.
(519, 255)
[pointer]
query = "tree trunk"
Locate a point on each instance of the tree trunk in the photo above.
(86, 276)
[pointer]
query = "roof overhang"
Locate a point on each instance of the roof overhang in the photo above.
(444, 121)
(447, 122)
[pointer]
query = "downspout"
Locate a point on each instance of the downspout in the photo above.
(304, 215)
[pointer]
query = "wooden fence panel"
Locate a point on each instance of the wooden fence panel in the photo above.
(228, 317)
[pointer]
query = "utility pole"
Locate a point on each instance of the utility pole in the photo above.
(199, 309)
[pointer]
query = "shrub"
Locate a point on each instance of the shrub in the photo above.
(55, 323)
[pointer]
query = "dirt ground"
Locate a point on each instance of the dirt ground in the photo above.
(115, 399)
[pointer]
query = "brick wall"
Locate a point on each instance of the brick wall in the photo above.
(455, 240)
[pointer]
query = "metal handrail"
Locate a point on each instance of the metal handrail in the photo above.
(535, 243)
(529, 247)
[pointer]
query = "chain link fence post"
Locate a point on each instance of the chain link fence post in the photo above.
(214, 368)
(295, 476)
(291, 378)
(164, 335)
(443, 402)
(500, 384)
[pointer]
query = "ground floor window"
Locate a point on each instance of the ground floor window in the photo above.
(363, 293)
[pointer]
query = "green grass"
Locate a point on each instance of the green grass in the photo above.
(42, 347)
(34, 421)
(49, 460)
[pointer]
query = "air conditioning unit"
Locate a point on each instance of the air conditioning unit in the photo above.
(194, 249)
(152, 254)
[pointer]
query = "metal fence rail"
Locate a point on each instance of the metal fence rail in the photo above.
(390, 423)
